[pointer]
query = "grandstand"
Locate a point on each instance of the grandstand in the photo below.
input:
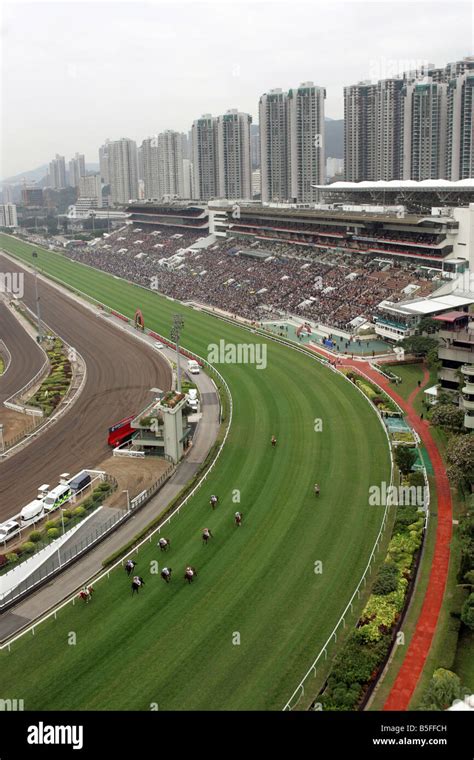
(179, 215)
(260, 279)
(437, 241)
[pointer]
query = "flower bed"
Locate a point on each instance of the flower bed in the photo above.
(357, 665)
(56, 385)
(402, 437)
(380, 399)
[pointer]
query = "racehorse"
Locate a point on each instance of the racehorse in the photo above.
(190, 574)
(164, 544)
(274, 441)
(213, 501)
(166, 574)
(129, 565)
(238, 518)
(86, 594)
(136, 583)
(206, 535)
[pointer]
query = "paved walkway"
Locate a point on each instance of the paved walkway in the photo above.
(418, 649)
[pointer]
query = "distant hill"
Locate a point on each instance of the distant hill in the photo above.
(36, 175)
(334, 138)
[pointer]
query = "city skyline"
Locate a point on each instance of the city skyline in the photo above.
(104, 93)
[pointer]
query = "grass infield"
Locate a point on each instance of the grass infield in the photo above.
(244, 633)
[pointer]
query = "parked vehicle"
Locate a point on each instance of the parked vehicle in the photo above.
(158, 345)
(8, 530)
(32, 510)
(79, 481)
(57, 497)
(193, 367)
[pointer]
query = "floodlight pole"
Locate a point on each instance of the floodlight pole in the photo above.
(178, 324)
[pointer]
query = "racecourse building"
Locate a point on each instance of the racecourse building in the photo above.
(442, 242)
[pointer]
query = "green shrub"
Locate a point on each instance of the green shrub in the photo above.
(416, 479)
(79, 511)
(67, 513)
(50, 524)
(444, 687)
(12, 557)
(28, 547)
(52, 533)
(103, 487)
(387, 579)
(35, 536)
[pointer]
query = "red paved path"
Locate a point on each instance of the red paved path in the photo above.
(415, 658)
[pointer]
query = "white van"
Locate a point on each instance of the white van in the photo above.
(192, 394)
(57, 497)
(193, 367)
(32, 510)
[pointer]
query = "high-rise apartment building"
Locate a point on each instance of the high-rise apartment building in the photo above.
(418, 125)
(306, 141)
(274, 146)
(104, 162)
(8, 215)
(77, 169)
(123, 170)
(424, 129)
(149, 151)
(170, 163)
(205, 157)
(292, 147)
(57, 172)
(91, 187)
(233, 155)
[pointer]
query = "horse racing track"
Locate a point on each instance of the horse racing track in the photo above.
(242, 635)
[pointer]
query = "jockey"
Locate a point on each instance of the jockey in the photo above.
(214, 500)
(206, 534)
(189, 571)
(162, 543)
(137, 580)
(238, 518)
(166, 571)
(316, 489)
(274, 440)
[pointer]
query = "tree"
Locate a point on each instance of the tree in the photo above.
(467, 612)
(432, 359)
(448, 416)
(460, 457)
(405, 458)
(419, 344)
(428, 325)
(443, 689)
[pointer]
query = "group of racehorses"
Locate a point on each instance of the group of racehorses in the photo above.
(190, 572)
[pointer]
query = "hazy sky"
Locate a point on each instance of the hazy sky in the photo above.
(76, 73)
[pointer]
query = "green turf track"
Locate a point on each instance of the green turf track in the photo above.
(173, 645)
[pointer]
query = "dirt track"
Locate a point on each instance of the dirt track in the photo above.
(27, 358)
(120, 373)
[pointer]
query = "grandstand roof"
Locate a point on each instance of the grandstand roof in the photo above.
(451, 316)
(336, 213)
(408, 184)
